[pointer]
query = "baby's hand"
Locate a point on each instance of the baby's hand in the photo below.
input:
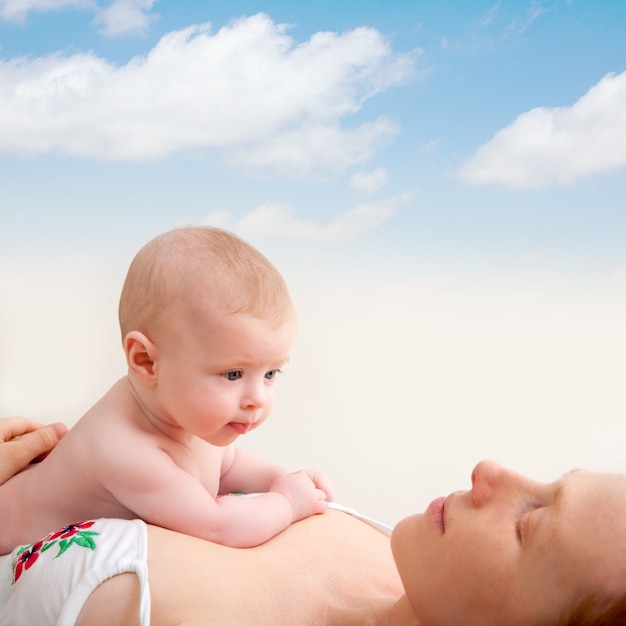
(308, 492)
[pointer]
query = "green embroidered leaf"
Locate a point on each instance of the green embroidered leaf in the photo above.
(64, 544)
(84, 541)
(89, 532)
(48, 545)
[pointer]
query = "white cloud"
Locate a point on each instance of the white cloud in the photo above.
(248, 89)
(369, 182)
(16, 10)
(557, 146)
(320, 148)
(119, 17)
(278, 220)
(125, 17)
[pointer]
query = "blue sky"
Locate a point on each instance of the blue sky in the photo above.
(476, 134)
(444, 181)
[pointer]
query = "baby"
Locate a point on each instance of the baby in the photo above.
(207, 323)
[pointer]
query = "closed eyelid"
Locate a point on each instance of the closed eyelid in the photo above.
(557, 505)
(554, 503)
(523, 518)
(521, 527)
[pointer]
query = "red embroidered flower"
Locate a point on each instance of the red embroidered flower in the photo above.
(71, 535)
(68, 531)
(26, 559)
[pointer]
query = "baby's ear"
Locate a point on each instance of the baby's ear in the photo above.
(141, 356)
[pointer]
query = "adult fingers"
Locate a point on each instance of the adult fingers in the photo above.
(37, 443)
(18, 452)
(11, 427)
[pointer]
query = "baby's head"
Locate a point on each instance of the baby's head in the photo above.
(195, 270)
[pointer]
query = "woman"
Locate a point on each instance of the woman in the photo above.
(510, 551)
(535, 553)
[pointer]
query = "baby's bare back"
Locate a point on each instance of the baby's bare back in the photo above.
(68, 485)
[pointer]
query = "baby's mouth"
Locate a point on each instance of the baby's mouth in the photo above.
(240, 428)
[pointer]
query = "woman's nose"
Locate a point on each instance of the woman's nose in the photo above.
(489, 479)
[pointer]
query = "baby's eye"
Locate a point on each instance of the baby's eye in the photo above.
(234, 375)
(271, 374)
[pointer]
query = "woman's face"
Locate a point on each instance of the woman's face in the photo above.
(513, 550)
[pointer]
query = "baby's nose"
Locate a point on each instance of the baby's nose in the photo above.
(255, 396)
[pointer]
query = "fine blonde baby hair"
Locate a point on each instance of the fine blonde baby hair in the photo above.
(190, 267)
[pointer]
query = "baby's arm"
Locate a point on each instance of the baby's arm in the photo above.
(255, 520)
(243, 471)
(307, 490)
(153, 487)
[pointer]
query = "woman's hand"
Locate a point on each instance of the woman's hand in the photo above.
(23, 441)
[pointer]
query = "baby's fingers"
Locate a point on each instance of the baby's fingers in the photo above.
(321, 504)
(322, 482)
(320, 494)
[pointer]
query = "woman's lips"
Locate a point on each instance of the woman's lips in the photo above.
(436, 510)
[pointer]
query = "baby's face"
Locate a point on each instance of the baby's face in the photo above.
(216, 374)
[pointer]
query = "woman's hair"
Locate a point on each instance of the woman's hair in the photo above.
(597, 609)
(191, 268)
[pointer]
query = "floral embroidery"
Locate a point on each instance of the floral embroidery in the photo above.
(73, 534)
(26, 558)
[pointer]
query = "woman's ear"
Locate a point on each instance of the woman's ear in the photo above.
(141, 355)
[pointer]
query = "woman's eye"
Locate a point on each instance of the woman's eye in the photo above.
(521, 527)
(271, 374)
(523, 522)
(234, 375)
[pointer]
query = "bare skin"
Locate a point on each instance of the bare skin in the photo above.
(24, 441)
(207, 325)
(509, 550)
(165, 433)
(331, 569)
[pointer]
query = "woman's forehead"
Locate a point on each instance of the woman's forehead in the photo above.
(591, 519)
(591, 497)
(579, 544)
